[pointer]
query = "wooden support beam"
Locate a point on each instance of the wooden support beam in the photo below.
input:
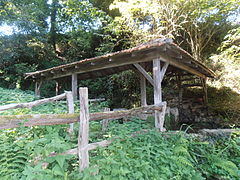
(180, 91)
(144, 73)
(56, 88)
(164, 69)
(74, 86)
(157, 77)
(37, 88)
(83, 130)
(143, 90)
(204, 85)
(192, 85)
(70, 104)
(180, 65)
(103, 63)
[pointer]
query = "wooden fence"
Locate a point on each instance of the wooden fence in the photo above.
(13, 121)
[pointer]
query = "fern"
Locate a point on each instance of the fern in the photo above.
(12, 159)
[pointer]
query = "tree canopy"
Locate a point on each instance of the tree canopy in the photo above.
(48, 33)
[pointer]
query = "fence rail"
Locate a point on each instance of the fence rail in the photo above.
(32, 104)
(14, 121)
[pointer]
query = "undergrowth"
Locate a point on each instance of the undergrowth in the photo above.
(137, 152)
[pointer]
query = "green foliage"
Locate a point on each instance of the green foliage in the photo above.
(226, 62)
(137, 152)
(196, 29)
(21, 54)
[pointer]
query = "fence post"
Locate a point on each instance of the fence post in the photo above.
(83, 129)
(70, 104)
(105, 121)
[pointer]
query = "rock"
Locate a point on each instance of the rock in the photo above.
(218, 132)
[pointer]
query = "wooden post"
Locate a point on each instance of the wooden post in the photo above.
(83, 130)
(180, 89)
(70, 104)
(180, 94)
(37, 88)
(74, 86)
(159, 120)
(204, 84)
(143, 91)
(57, 88)
(105, 121)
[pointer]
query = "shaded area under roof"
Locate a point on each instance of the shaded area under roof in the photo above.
(123, 60)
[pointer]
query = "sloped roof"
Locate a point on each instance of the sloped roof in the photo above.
(115, 62)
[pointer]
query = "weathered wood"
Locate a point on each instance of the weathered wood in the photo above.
(205, 94)
(102, 64)
(95, 145)
(157, 92)
(70, 104)
(180, 65)
(37, 88)
(144, 73)
(32, 104)
(74, 86)
(164, 69)
(105, 121)
(127, 57)
(143, 91)
(74, 151)
(95, 100)
(162, 116)
(56, 88)
(103, 143)
(180, 90)
(83, 130)
(13, 121)
(192, 85)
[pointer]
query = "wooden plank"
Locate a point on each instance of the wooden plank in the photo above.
(143, 90)
(144, 73)
(74, 86)
(14, 121)
(83, 130)
(32, 104)
(103, 64)
(70, 104)
(180, 65)
(157, 92)
(164, 69)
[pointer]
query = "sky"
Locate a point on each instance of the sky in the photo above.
(6, 30)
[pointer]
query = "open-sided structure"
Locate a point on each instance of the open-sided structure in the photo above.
(161, 56)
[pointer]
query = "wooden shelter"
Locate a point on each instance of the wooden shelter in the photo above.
(159, 56)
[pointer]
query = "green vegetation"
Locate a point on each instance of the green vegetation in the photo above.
(147, 154)
(48, 33)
